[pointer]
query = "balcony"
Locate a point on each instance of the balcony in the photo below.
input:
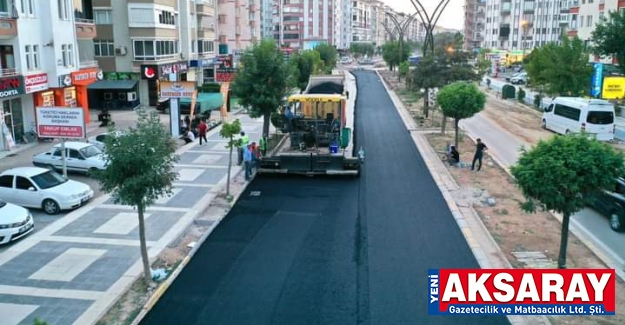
(205, 7)
(8, 26)
(88, 64)
(9, 72)
(85, 29)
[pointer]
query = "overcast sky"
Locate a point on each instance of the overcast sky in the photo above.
(452, 17)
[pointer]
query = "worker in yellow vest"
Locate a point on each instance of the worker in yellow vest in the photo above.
(244, 141)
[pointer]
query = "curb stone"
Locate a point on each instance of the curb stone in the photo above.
(484, 248)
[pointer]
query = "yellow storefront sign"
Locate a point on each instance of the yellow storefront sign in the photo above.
(613, 88)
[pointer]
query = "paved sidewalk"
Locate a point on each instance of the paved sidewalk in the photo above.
(73, 270)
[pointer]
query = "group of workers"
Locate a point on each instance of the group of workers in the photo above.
(249, 153)
(453, 156)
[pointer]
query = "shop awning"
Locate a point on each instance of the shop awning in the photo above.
(113, 84)
(206, 101)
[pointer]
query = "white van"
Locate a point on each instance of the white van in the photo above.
(566, 115)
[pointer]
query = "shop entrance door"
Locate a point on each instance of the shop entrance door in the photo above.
(13, 118)
(153, 92)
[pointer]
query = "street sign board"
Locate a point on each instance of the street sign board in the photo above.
(61, 122)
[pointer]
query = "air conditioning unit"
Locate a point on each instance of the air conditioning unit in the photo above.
(120, 50)
(132, 96)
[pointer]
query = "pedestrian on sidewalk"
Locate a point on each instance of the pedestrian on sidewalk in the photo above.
(247, 158)
(244, 141)
(202, 128)
(479, 154)
(255, 156)
(188, 137)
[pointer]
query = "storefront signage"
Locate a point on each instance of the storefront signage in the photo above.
(225, 75)
(121, 76)
(177, 89)
(11, 86)
(36, 82)
(167, 69)
(65, 80)
(613, 88)
(201, 63)
(61, 122)
(225, 61)
(159, 71)
(597, 78)
(85, 77)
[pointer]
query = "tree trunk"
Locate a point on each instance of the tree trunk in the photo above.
(456, 123)
(443, 124)
(147, 272)
(426, 103)
(266, 120)
(229, 168)
(564, 238)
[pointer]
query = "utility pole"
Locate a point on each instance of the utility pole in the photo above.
(401, 28)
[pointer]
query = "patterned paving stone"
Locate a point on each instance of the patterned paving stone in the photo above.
(210, 176)
(54, 311)
(190, 158)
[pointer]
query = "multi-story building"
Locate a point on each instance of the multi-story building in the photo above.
(141, 42)
(342, 24)
(474, 23)
(266, 18)
(362, 21)
(304, 24)
(239, 25)
(45, 60)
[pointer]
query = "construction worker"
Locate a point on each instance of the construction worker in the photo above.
(263, 146)
(244, 141)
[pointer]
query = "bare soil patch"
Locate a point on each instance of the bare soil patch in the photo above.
(517, 231)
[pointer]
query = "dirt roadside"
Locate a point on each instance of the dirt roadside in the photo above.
(527, 240)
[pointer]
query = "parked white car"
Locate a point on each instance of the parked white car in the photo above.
(80, 156)
(15, 222)
(566, 115)
(99, 139)
(40, 188)
(519, 79)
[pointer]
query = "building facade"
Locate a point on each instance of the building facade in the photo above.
(474, 24)
(342, 24)
(45, 61)
(303, 24)
(239, 25)
(266, 18)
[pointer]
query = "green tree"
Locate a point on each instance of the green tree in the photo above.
(262, 81)
(562, 173)
(609, 37)
(39, 322)
(404, 68)
(303, 65)
(328, 55)
(483, 63)
(561, 69)
(229, 131)
(140, 169)
(361, 49)
(391, 55)
(460, 100)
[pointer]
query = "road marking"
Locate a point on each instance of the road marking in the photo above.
(96, 240)
(189, 175)
(195, 185)
(206, 159)
(166, 198)
(13, 314)
(122, 223)
(49, 293)
(197, 167)
(68, 265)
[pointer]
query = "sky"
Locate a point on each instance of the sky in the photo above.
(452, 17)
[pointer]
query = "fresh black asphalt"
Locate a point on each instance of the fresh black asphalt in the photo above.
(329, 251)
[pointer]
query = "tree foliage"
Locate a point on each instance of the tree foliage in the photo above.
(483, 63)
(562, 173)
(448, 40)
(230, 131)
(361, 49)
(328, 55)
(561, 69)
(609, 37)
(140, 169)
(262, 81)
(391, 55)
(303, 65)
(460, 100)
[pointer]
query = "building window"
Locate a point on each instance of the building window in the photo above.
(166, 18)
(28, 52)
(27, 8)
(63, 9)
(151, 50)
(102, 16)
(36, 63)
(204, 46)
(68, 55)
(104, 48)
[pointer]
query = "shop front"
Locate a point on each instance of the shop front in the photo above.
(204, 70)
(62, 97)
(117, 91)
(12, 126)
(152, 74)
(81, 79)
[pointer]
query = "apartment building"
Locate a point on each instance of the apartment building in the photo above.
(266, 18)
(239, 25)
(342, 24)
(142, 42)
(474, 24)
(415, 30)
(303, 24)
(522, 25)
(45, 61)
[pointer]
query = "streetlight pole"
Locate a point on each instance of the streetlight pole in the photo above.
(401, 28)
